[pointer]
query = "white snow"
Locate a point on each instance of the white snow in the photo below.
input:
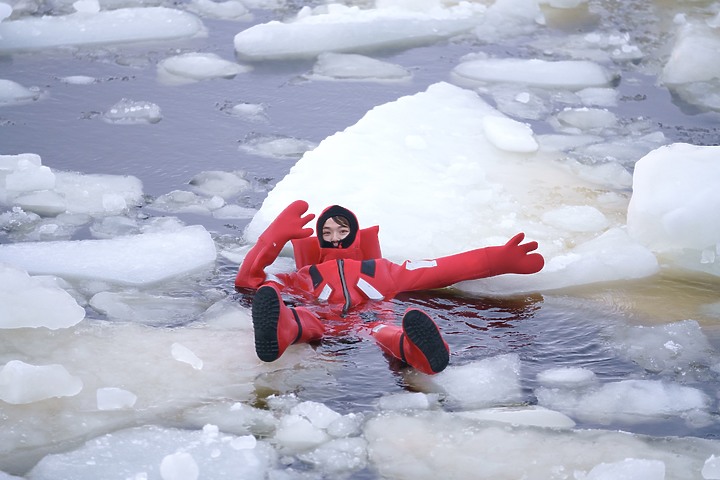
(104, 27)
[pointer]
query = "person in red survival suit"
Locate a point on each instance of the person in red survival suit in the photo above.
(343, 267)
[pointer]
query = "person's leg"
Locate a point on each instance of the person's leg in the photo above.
(278, 326)
(418, 342)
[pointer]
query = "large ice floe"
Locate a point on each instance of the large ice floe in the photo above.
(459, 141)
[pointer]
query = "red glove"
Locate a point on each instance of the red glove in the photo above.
(514, 257)
(288, 225)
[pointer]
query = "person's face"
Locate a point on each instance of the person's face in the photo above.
(333, 232)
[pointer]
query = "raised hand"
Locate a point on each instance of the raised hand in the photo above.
(514, 257)
(290, 224)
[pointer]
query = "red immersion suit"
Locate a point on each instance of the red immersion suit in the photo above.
(354, 273)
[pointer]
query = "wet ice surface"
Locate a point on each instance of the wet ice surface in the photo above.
(125, 352)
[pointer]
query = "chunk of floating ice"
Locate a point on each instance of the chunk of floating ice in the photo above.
(28, 302)
(22, 383)
(568, 74)
(673, 197)
(320, 415)
(629, 468)
(106, 27)
(127, 454)
(222, 184)
(297, 433)
(87, 6)
(193, 67)
(113, 398)
(133, 260)
(530, 416)
(179, 466)
(277, 146)
(131, 112)
(577, 218)
(24, 181)
(449, 443)
(480, 384)
(79, 80)
(12, 92)
(509, 135)
(691, 71)
(347, 66)
(183, 354)
(5, 11)
(711, 468)
(348, 29)
(147, 309)
(567, 377)
(182, 201)
(228, 10)
(408, 401)
(628, 401)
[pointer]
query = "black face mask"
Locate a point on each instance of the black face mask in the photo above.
(334, 211)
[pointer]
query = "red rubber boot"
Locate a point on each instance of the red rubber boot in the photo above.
(418, 343)
(278, 326)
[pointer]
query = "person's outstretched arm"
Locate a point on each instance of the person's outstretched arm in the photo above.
(288, 225)
(513, 257)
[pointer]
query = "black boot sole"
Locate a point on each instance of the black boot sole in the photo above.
(424, 334)
(265, 316)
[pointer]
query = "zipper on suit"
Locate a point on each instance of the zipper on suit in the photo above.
(343, 283)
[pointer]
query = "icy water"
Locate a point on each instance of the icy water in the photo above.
(580, 327)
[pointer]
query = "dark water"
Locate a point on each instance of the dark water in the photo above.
(566, 328)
